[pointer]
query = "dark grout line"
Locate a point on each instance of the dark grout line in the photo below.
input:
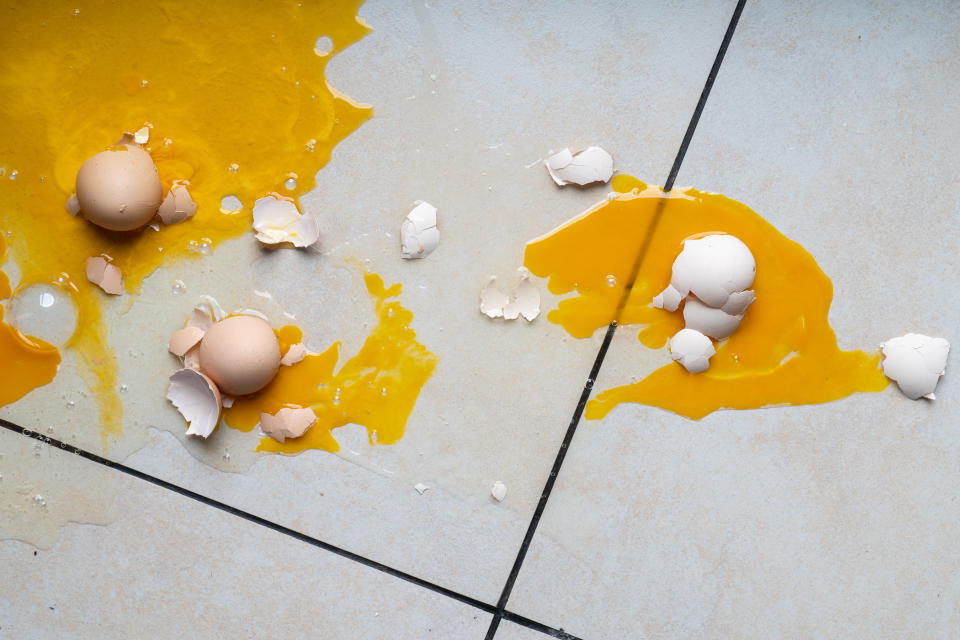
(234, 511)
(501, 611)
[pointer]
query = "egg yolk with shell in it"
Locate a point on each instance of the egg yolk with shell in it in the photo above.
(237, 104)
(376, 388)
(784, 351)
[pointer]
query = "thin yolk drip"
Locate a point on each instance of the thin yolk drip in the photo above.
(25, 362)
(238, 104)
(376, 388)
(784, 351)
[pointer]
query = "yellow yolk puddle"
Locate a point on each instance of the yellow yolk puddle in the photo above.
(376, 388)
(784, 351)
(238, 104)
(25, 362)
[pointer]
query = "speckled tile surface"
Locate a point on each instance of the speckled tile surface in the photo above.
(834, 122)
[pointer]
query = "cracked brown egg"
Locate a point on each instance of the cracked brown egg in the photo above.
(119, 189)
(240, 354)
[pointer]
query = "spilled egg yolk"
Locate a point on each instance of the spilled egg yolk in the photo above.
(25, 362)
(237, 102)
(784, 351)
(376, 388)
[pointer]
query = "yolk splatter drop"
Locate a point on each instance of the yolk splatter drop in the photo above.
(25, 362)
(784, 351)
(237, 102)
(376, 388)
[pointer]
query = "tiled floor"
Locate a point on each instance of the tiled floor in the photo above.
(835, 121)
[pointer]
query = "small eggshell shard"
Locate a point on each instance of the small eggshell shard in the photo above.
(915, 362)
(105, 275)
(525, 301)
(119, 189)
(421, 488)
(178, 205)
(73, 205)
(590, 165)
(713, 267)
(226, 401)
(277, 220)
(419, 234)
(295, 353)
(668, 299)
(206, 313)
(492, 300)
(716, 323)
(197, 399)
(142, 135)
(240, 354)
(691, 349)
(287, 423)
(498, 491)
(183, 340)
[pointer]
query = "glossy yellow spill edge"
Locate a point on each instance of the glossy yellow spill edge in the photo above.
(237, 102)
(376, 388)
(784, 351)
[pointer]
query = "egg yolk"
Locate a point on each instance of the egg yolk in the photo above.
(25, 362)
(237, 103)
(376, 388)
(784, 351)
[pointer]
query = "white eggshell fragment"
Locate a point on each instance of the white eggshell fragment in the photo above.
(691, 349)
(178, 205)
(197, 399)
(287, 423)
(277, 220)
(492, 300)
(590, 165)
(498, 491)
(183, 340)
(668, 299)
(105, 275)
(295, 353)
(73, 205)
(419, 234)
(915, 362)
(715, 323)
(206, 313)
(738, 302)
(525, 301)
(711, 268)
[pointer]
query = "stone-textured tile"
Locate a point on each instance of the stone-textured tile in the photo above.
(467, 99)
(512, 631)
(170, 567)
(835, 121)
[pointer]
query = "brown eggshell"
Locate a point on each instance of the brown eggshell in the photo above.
(240, 354)
(119, 189)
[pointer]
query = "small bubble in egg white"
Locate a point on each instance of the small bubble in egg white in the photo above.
(71, 404)
(143, 83)
(234, 168)
(204, 247)
(611, 281)
(178, 287)
(49, 429)
(13, 174)
(290, 184)
(123, 388)
(226, 456)
(76, 12)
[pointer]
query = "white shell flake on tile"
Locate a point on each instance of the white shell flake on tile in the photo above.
(590, 165)
(524, 302)
(915, 362)
(287, 423)
(498, 491)
(197, 399)
(419, 234)
(277, 220)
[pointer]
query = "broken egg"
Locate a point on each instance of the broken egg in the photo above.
(178, 205)
(119, 189)
(593, 164)
(692, 349)
(711, 268)
(287, 423)
(197, 399)
(105, 275)
(240, 354)
(419, 235)
(277, 220)
(525, 300)
(716, 323)
(915, 362)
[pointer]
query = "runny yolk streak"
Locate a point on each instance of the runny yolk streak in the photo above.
(784, 351)
(238, 103)
(25, 362)
(376, 388)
